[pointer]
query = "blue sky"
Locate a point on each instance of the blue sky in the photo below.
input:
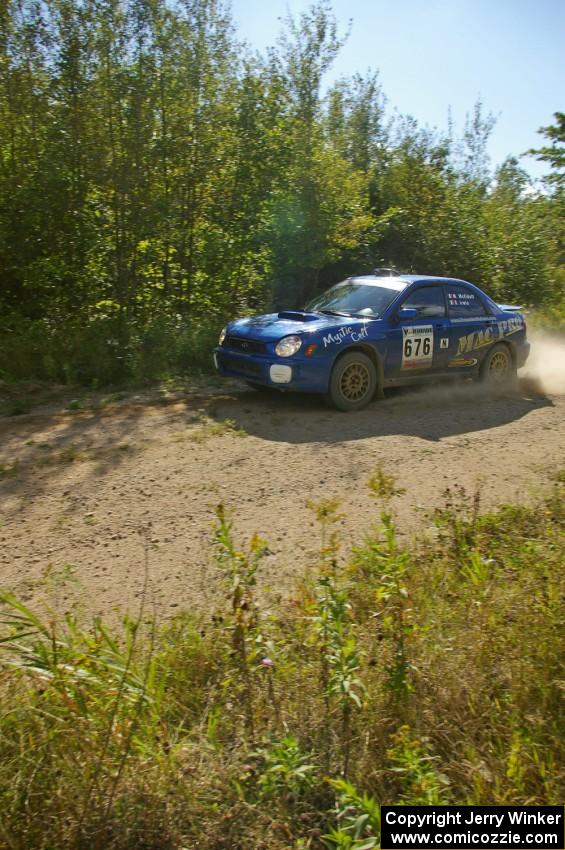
(436, 54)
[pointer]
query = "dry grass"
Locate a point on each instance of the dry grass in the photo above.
(426, 675)
(208, 429)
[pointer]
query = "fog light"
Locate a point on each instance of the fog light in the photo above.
(280, 374)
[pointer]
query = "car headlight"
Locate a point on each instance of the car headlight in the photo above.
(222, 335)
(287, 346)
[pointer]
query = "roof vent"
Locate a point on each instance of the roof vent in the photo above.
(386, 272)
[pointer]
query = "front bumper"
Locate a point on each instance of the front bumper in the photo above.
(292, 373)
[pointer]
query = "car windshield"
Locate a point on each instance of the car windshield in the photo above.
(353, 298)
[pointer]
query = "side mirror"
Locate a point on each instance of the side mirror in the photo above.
(407, 313)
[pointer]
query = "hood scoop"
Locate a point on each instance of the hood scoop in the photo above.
(298, 316)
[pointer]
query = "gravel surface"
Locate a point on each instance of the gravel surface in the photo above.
(81, 490)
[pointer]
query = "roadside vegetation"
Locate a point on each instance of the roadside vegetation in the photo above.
(427, 673)
(160, 178)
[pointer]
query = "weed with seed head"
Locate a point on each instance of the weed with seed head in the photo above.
(411, 761)
(458, 520)
(383, 486)
(326, 512)
(339, 653)
(340, 661)
(239, 570)
(382, 565)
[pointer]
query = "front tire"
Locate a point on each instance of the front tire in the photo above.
(353, 382)
(498, 368)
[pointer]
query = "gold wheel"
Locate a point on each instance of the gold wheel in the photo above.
(354, 382)
(500, 365)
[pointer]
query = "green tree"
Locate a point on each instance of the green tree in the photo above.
(320, 205)
(157, 178)
(554, 153)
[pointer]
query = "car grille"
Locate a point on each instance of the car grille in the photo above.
(248, 346)
(245, 367)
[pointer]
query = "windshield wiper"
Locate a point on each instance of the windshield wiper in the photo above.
(335, 313)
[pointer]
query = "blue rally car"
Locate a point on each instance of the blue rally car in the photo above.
(377, 331)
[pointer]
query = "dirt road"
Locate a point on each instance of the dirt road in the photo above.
(77, 486)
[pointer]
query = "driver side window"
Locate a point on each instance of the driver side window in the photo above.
(429, 301)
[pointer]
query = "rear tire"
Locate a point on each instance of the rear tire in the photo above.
(353, 382)
(498, 369)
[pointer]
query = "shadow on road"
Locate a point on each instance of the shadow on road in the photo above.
(430, 413)
(39, 450)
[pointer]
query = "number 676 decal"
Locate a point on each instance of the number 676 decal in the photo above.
(417, 347)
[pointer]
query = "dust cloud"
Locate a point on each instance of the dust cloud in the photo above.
(545, 368)
(543, 375)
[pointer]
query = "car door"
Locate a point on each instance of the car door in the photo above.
(418, 346)
(472, 328)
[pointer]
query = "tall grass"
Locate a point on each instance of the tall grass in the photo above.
(422, 674)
